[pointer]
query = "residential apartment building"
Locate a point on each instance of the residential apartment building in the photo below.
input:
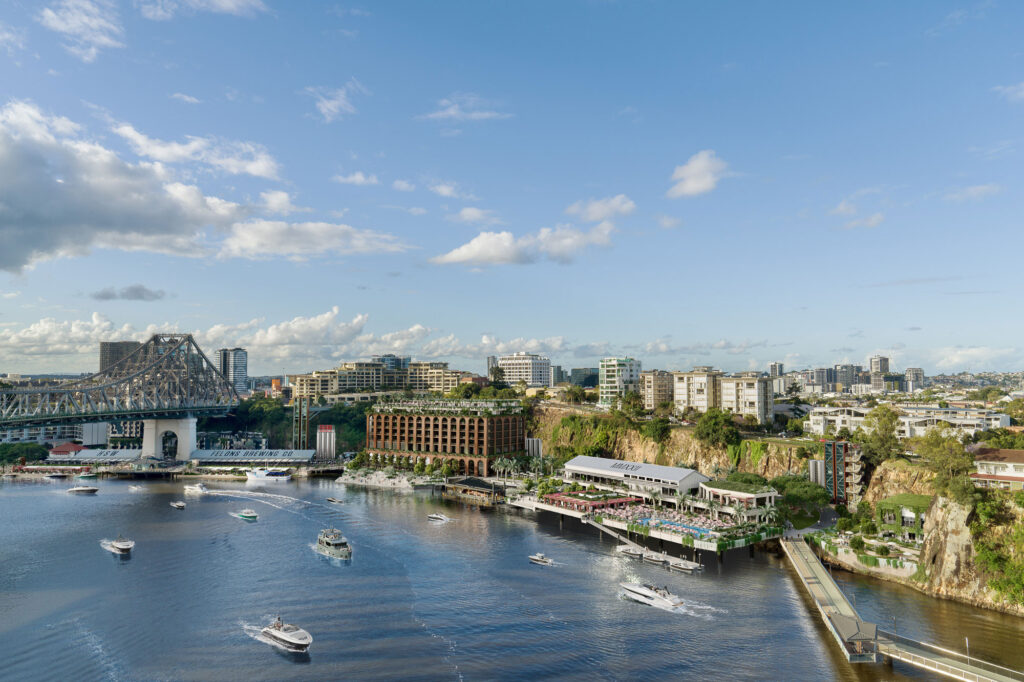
(699, 389)
(467, 433)
(996, 468)
(879, 364)
(887, 383)
(233, 364)
(844, 472)
(392, 361)
(914, 377)
(112, 352)
(748, 393)
(845, 376)
(776, 370)
(531, 368)
(656, 388)
(352, 377)
(616, 378)
(914, 420)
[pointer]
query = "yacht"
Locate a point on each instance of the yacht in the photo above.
(197, 489)
(122, 545)
(541, 560)
(247, 514)
(268, 475)
(655, 558)
(438, 517)
(651, 595)
(178, 504)
(288, 635)
(84, 489)
(335, 500)
(630, 551)
(332, 543)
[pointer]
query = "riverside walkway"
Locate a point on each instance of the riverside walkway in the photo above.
(863, 642)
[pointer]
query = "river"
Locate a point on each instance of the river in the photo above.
(418, 601)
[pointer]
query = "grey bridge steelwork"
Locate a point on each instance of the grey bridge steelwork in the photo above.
(168, 377)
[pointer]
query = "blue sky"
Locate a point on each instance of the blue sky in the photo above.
(687, 183)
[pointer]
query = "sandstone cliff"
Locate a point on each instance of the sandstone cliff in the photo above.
(898, 476)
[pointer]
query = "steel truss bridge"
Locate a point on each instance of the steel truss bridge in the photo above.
(168, 377)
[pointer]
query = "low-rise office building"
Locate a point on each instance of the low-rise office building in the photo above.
(641, 479)
(530, 368)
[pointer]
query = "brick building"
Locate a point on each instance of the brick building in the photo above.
(467, 433)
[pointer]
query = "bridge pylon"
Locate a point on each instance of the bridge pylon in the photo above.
(153, 431)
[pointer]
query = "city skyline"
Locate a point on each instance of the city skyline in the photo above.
(676, 184)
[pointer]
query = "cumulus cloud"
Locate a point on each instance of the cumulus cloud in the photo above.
(87, 25)
(560, 244)
(597, 210)
(161, 10)
(231, 156)
(9, 294)
(664, 346)
(667, 222)
(465, 106)
(135, 292)
(61, 194)
(11, 39)
(187, 99)
(279, 202)
(258, 239)
(333, 103)
(449, 190)
(477, 216)
(975, 358)
(1014, 93)
(357, 178)
(973, 192)
(403, 185)
(699, 175)
(873, 220)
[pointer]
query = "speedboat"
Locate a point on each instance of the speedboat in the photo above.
(135, 488)
(540, 559)
(122, 545)
(247, 514)
(268, 475)
(84, 489)
(630, 551)
(654, 558)
(288, 635)
(178, 504)
(684, 566)
(438, 517)
(332, 543)
(88, 474)
(651, 595)
(196, 489)
(335, 500)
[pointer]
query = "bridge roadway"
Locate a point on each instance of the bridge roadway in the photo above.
(831, 600)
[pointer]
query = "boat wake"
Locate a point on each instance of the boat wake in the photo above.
(238, 515)
(109, 546)
(292, 505)
(698, 610)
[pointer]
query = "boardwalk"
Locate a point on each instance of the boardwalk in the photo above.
(846, 627)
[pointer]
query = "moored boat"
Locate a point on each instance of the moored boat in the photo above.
(280, 475)
(630, 551)
(288, 635)
(651, 595)
(88, 474)
(540, 559)
(333, 544)
(655, 558)
(56, 476)
(83, 490)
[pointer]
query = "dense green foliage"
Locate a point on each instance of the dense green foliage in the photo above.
(274, 420)
(943, 453)
(11, 453)
(987, 394)
(744, 477)
(798, 492)
(857, 543)
(1001, 438)
(716, 427)
(656, 430)
(476, 392)
(881, 443)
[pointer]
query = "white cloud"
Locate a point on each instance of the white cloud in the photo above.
(478, 216)
(465, 106)
(1014, 93)
(161, 10)
(667, 222)
(973, 193)
(61, 194)
(279, 202)
(411, 210)
(134, 292)
(88, 26)
(450, 190)
(873, 220)
(335, 102)
(11, 39)
(560, 244)
(188, 99)
(357, 178)
(262, 239)
(403, 185)
(699, 175)
(844, 207)
(231, 156)
(7, 295)
(596, 210)
(974, 358)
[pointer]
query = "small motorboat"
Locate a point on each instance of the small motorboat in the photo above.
(335, 500)
(333, 544)
(655, 558)
(135, 488)
(122, 545)
(438, 517)
(290, 636)
(10, 476)
(84, 490)
(247, 514)
(56, 476)
(651, 595)
(541, 560)
(280, 475)
(87, 474)
(196, 489)
(683, 566)
(630, 551)
(178, 504)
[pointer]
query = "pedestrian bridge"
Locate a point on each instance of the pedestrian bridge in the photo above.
(863, 642)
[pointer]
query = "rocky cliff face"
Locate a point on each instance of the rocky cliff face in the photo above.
(680, 449)
(898, 476)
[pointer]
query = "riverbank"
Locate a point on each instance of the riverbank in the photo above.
(379, 479)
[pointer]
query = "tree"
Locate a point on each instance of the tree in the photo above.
(575, 394)
(419, 468)
(1015, 408)
(22, 452)
(795, 426)
(943, 453)
(881, 442)
(497, 377)
(631, 404)
(715, 427)
(857, 543)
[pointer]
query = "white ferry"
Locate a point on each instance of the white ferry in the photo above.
(263, 475)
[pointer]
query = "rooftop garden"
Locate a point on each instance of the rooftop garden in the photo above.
(739, 487)
(916, 503)
(455, 408)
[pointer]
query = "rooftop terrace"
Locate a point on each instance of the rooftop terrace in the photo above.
(457, 408)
